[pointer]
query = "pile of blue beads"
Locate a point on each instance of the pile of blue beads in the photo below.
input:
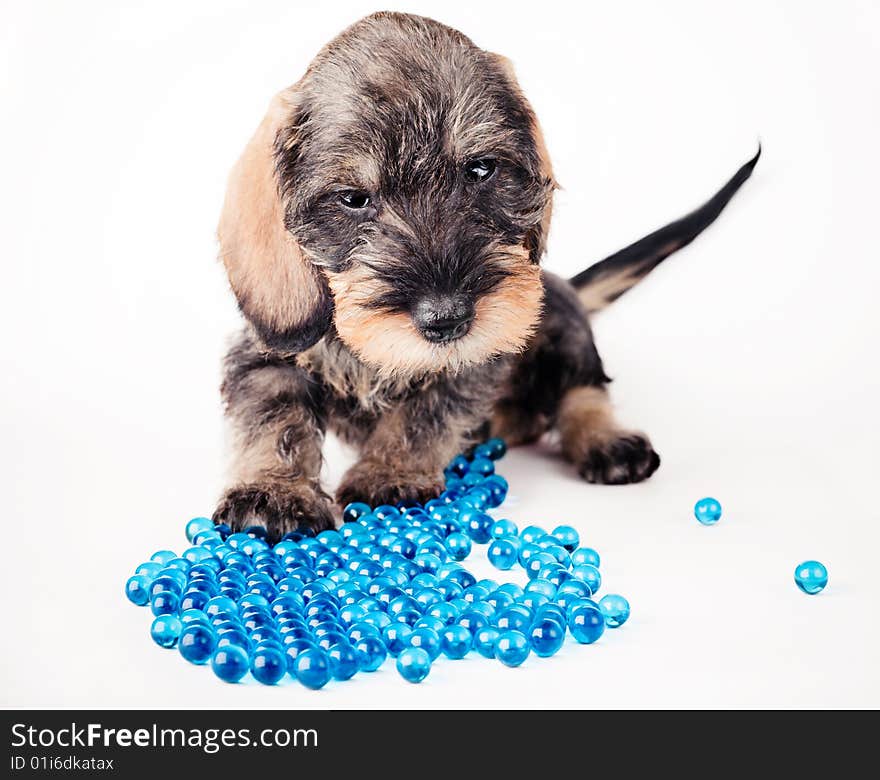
(388, 582)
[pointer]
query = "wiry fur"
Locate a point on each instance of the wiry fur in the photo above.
(345, 303)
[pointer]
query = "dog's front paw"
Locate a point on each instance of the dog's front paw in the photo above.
(278, 506)
(619, 458)
(378, 483)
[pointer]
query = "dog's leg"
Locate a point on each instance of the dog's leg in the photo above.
(404, 456)
(276, 414)
(602, 451)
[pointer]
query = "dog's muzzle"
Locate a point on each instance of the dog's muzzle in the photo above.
(441, 319)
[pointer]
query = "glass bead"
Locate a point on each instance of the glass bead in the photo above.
(586, 624)
(458, 545)
(150, 569)
(230, 663)
(615, 610)
(163, 556)
(810, 576)
(707, 511)
(359, 630)
(485, 640)
(589, 575)
(413, 664)
(371, 653)
(386, 511)
(482, 466)
(378, 619)
(268, 665)
(312, 668)
(427, 639)
(482, 451)
(531, 533)
(473, 621)
(165, 602)
(165, 630)
(585, 555)
(512, 648)
(537, 562)
(137, 589)
(194, 616)
(497, 488)
(546, 637)
(514, 618)
(456, 641)
(501, 528)
(193, 599)
(477, 525)
(395, 637)
(197, 642)
(293, 648)
(458, 465)
(343, 661)
(503, 554)
(567, 536)
(497, 448)
(426, 621)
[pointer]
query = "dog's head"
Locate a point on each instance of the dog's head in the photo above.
(400, 191)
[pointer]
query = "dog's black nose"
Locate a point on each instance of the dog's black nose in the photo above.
(443, 318)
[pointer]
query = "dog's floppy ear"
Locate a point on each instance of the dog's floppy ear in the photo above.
(536, 239)
(278, 290)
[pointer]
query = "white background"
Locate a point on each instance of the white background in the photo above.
(750, 358)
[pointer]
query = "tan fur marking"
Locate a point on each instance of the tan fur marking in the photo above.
(504, 322)
(585, 420)
(265, 266)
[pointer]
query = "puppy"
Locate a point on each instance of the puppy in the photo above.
(382, 233)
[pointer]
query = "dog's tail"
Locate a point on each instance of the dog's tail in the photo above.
(605, 281)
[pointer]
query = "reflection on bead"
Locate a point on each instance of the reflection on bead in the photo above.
(166, 630)
(137, 589)
(811, 577)
(414, 664)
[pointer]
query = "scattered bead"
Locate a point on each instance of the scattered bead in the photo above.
(414, 664)
(512, 648)
(615, 610)
(707, 511)
(811, 577)
(230, 663)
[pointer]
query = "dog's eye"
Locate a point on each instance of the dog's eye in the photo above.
(353, 199)
(479, 170)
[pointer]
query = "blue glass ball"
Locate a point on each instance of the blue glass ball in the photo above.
(344, 662)
(196, 643)
(458, 466)
(589, 575)
(395, 637)
(482, 466)
(707, 511)
(268, 665)
(585, 555)
(586, 624)
(531, 533)
(166, 630)
(230, 663)
(456, 641)
(501, 528)
(811, 577)
(512, 648)
(496, 448)
(414, 664)
(163, 556)
(137, 589)
(354, 512)
(427, 639)
(458, 545)
(546, 637)
(615, 610)
(566, 536)
(165, 602)
(371, 653)
(477, 525)
(312, 668)
(503, 553)
(485, 640)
